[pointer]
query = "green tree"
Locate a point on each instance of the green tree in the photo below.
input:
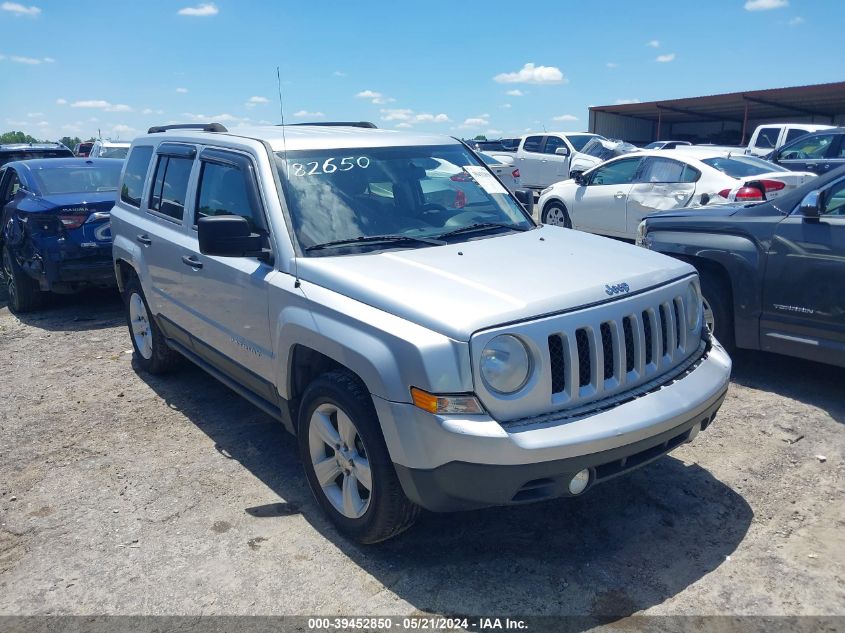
(70, 141)
(480, 137)
(17, 137)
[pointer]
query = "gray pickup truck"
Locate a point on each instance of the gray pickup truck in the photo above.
(773, 273)
(377, 292)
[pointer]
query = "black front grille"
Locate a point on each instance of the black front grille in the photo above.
(664, 334)
(585, 368)
(649, 352)
(677, 322)
(607, 346)
(558, 362)
(628, 330)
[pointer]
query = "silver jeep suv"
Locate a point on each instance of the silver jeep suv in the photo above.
(385, 297)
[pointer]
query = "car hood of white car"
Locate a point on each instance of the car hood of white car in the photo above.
(459, 289)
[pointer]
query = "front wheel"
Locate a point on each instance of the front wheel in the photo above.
(555, 213)
(346, 460)
(151, 351)
(24, 293)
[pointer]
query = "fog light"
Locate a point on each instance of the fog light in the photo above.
(579, 482)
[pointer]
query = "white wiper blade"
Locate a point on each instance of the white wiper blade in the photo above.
(364, 239)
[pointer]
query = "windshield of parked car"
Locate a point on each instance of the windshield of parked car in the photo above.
(580, 140)
(603, 149)
(113, 152)
(742, 166)
(415, 193)
(77, 179)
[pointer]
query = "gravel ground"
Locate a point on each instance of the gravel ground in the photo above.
(122, 493)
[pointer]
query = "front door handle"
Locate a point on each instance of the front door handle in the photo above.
(144, 239)
(192, 261)
(619, 195)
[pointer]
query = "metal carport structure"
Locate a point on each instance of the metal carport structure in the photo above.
(728, 118)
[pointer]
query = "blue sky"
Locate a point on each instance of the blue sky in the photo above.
(69, 67)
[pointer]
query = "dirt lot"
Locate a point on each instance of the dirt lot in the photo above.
(122, 493)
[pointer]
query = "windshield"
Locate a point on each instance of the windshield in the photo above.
(742, 166)
(113, 152)
(82, 179)
(414, 192)
(580, 140)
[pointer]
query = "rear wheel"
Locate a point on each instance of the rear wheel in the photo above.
(718, 308)
(24, 293)
(555, 213)
(346, 460)
(151, 351)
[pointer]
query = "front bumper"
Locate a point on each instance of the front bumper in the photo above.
(446, 463)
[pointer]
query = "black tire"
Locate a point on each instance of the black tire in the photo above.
(553, 211)
(24, 293)
(159, 358)
(389, 511)
(717, 295)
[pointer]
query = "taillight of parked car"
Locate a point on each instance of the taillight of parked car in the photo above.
(73, 218)
(744, 194)
(460, 200)
(515, 173)
(461, 177)
(772, 185)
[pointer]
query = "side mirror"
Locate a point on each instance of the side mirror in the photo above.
(810, 206)
(562, 151)
(577, 176)
(526, 198)
(228, 236)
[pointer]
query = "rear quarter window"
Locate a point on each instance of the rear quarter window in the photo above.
(132, 188)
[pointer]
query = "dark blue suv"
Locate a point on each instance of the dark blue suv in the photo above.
(55, 232)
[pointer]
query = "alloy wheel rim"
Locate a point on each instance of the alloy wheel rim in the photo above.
(140, 325)
(11, 287)
(340, 461)
(556, 217)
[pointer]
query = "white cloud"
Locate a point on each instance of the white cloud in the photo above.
(118, 107)
(19, 9)
(506, 106)
(476, 122)
(653, 43)
(796, 21)
(404, 125)
(61, 101)
(218, 118)
(515, 93)
(665, 58)
(201, 10)
(43, 124)
(102, 105)
(432, 118)
(765, 5)
(612, 65)
(34, 115)
(305, 114)
(396, 114)
(254, 101)
(151, 111)
(531, 74)
(494, 132)
(32, 61)
(182, 91)
(625, 101)
(339, 73)
(565, 117)
(375, 97)
(121, 129)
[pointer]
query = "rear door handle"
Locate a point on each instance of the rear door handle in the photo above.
(619, 194)
(192, 261)
(144, 239)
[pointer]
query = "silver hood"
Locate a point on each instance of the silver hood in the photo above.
(459, 289)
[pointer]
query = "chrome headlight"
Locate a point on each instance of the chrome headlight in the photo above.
(693, 305)
(505, 364)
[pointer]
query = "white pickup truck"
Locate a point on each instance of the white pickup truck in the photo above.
(543, 159)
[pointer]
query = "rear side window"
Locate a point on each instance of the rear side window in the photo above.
(170, 186)
(663, 170)
(532, 144)
(767, 138)
(136, 172)
(224, 189)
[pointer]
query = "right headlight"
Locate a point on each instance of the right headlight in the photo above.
(505, 364)
(694, 308)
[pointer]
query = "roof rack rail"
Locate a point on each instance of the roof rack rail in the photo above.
(364, 124)
(202, 127)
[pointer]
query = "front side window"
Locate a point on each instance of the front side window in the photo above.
(135, 174)
(834, 201)
(552, 144)
(532, 144)
(767, 138)
(224, 190)
(793, 134)
(170, 186)
(812, 146)
(412, 195)
(619, 172)
(13, 183)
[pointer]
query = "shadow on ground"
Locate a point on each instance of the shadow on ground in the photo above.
(631, 543)
(88, 310)
(812, 383)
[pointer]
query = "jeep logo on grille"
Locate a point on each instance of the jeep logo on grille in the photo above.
(617, 289)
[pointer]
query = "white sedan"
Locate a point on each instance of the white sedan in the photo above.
(613, 198)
